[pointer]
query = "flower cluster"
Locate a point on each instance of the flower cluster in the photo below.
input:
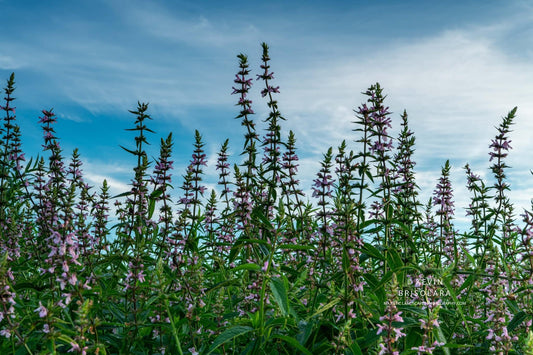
(252, 267)
(443, 200)
(389, 328)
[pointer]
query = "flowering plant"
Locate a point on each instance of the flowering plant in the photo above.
(254, 264)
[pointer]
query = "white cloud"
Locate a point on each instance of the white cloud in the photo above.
(455, 86)
(8, 63)
(197, 31)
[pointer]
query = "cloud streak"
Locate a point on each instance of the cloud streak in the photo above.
(455, 81)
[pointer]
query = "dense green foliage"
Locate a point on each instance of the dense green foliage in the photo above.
(256, 266)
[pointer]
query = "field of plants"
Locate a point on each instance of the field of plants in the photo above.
(361, 266)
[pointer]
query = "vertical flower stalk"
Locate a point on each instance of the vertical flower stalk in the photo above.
(226, 231)
(376, 121)
(223, 172)
(347, 250)
(478, 210)
(290, 183)
(86, 244)
(242, 202)
(13, 184)
(138, 227)
(243, 86)
(390, 329)
(294, 205)
(8, 138)
(443, 200)
(161, 180)
(405, 191)
(8, 316)
(100, 211)
(192, 191)
(503, 211)
(272, 141)
(209, 224)
(323, 190)
(497, 313)
(198, 160)
(431, 304)
(380, 146)
(364, 158)
(138, 199)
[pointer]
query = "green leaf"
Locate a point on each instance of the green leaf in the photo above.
(470, 279)
(384, 279)
(356, 350)
(248, 266)
(394, 260)
(468, 256)
(372, 251)
(517, 320)
(153, 198)
(259, 216)
(116, 312)
(224, 283)
(442, 339)
(513, 306)
(257, 241)
(228, 335)
(296, 247)
(458, 304)
(124, 194)
(293, 342)
(279, 291)
(325, 307)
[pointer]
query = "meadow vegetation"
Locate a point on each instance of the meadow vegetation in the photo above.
(361, 266)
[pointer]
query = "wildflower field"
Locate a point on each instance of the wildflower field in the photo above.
(256, 266)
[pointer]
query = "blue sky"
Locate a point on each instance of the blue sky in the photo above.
(457, 67)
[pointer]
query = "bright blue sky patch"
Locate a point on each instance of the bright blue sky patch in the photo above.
(455, 66)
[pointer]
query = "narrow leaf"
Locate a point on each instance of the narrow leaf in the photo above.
(228, 335)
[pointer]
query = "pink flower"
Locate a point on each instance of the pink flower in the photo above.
(43, 312)
(5, 333)
(381, 328)
(74, 347)
(397, 318)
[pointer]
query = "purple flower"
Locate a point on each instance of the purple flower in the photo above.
(43, 312)
(269, 89)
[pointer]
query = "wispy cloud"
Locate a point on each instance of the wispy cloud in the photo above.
(455, 87)
(455, 81)
(8, 63)
(194, 30)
